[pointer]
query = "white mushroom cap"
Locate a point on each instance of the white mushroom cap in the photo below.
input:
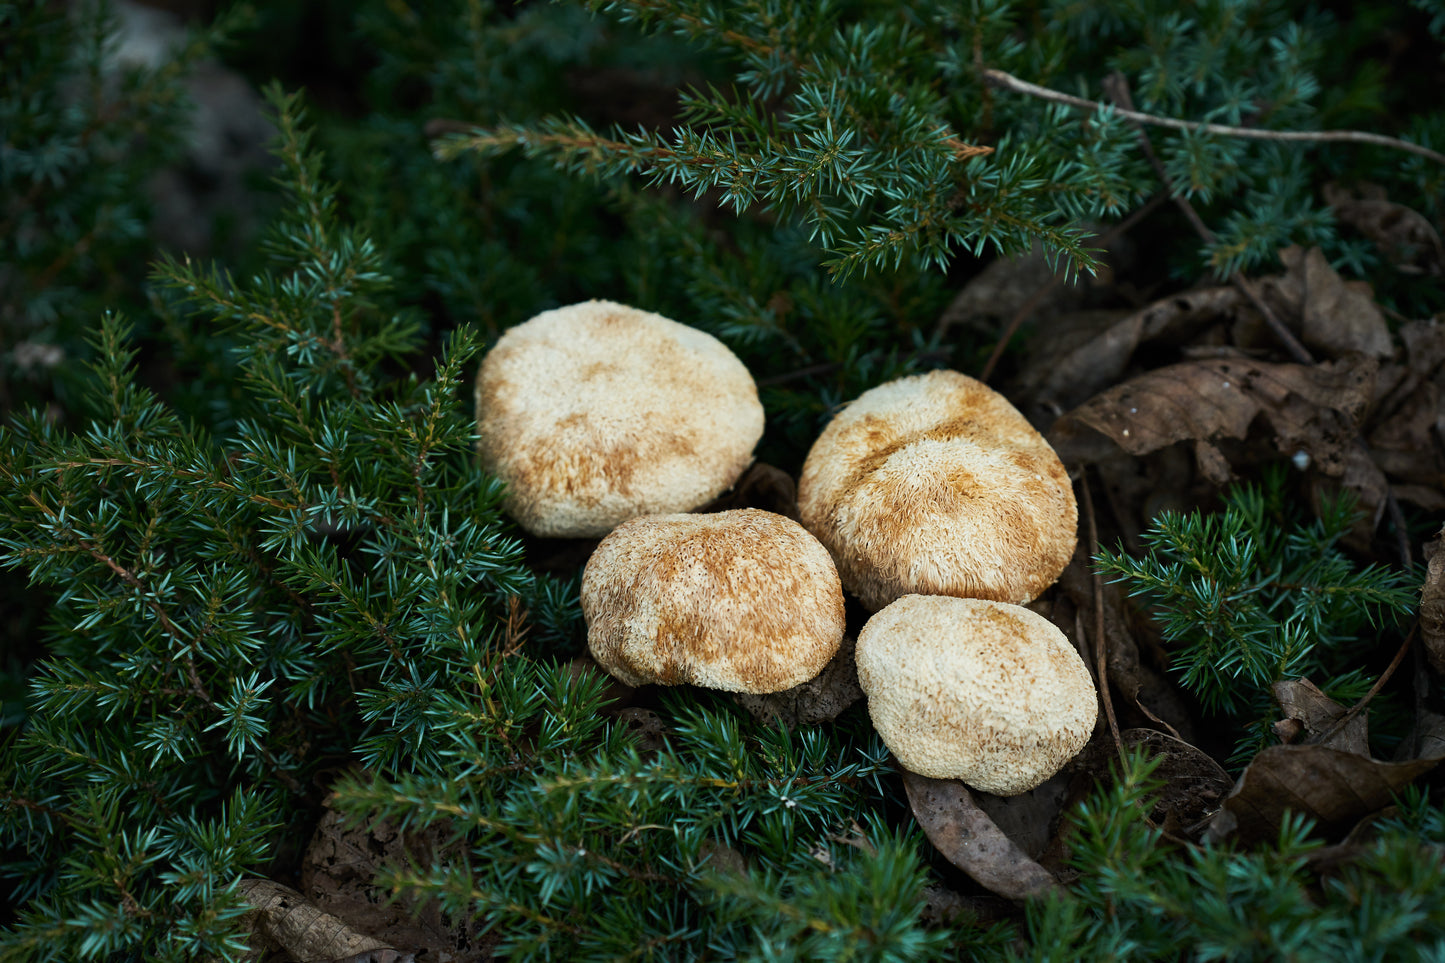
(744, 600)
(935, 484)
(969, 689)
(598, 412)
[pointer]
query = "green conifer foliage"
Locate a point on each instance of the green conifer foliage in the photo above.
(81, 135)
(233, 615)
(1254, 595)
(1138, 899)
(873, 125)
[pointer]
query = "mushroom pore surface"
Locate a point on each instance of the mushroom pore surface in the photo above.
(986, 692)
(598, 412)
(743, 600)
(935, 484)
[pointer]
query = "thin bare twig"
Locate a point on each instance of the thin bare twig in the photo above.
(1359, 707)
(998, 78)
(1100, 647)
(1402, 534)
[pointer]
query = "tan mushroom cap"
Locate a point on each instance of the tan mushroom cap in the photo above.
(935, 484)
(986, 692)
(744, 600)
(597, 412)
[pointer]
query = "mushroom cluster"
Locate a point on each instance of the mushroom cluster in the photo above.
(930, 498)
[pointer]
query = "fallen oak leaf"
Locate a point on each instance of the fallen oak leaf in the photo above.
(968, 839)
(1332, 787)
(1314, 411)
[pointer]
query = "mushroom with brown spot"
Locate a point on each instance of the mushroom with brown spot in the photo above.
(935, 484)
(986, 692)
(742, 600)
(598, 412)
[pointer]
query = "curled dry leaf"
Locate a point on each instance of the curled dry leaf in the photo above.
(1088, 351)
(339, 873)
(1314, 407)
(1301, 701)
(820, 699)
(1424, 345)
(1403, 235)
(1336, 317)
(1334, 788)
(968, 839)
(1426, 738)
(1193, 784)
(282, 918)
(1313, 410)
(1004, 287)
(1432, 606)
(1403, 445)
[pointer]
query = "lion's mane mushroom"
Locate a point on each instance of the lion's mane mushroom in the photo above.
(986, 692)
(597, 412)
(743, 600)
(935, 484)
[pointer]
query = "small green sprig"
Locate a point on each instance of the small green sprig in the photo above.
(1254, 594)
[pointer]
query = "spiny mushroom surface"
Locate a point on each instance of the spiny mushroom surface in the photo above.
(935, 484)
(743, 600)
(598, 412)
(986, 692)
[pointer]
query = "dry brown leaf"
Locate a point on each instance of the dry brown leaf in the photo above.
(1426, 738)
(1405, 236)
(968, 839)
(1088, 351)
(1314, 412)
(1193, 783)
(1002, 288)
(1029, 817)
(648, 730)
(820, 699)
(1336, 317)
(282, 918)
(339, 872)
(1300, 700)
(1424, 345)
(1403, 445)
(1432, 606)
(1428, 499)
(1336, 789)
(1218, 398)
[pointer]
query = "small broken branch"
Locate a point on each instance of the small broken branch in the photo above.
(999, 78)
